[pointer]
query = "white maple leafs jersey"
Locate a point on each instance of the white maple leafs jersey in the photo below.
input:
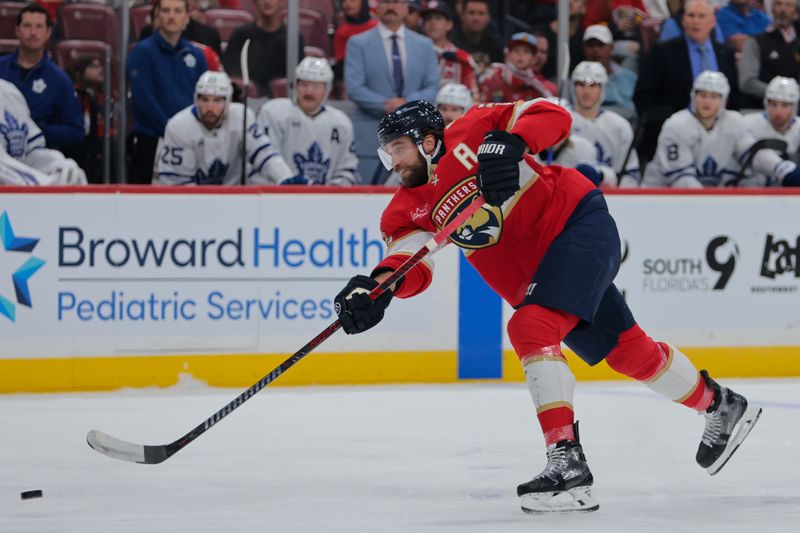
(759, 125)
(24, 156)
(611, 136)
(321, 147)
(690, 156)
(574, 151)
(191, 154)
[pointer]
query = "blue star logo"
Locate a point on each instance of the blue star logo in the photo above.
(12, 243)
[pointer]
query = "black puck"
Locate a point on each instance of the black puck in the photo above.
(28, 494)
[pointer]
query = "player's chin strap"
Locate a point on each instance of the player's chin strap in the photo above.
(429, 158)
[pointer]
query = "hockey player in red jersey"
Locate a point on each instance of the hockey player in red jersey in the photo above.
(547, 244)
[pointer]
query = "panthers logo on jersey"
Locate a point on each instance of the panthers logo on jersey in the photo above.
(482, 230)
(15, 134)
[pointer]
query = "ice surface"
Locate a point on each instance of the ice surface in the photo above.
(374, 459)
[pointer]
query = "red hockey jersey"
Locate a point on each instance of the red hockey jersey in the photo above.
(505, 244)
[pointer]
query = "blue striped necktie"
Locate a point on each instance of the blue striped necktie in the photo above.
(397, 67)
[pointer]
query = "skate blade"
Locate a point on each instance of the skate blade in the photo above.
(577, 500)
(745, 425)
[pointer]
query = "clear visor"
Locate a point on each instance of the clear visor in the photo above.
(396, 150)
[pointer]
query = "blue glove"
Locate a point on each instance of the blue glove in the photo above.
(792, 179)
(591, 172)
(299, 179)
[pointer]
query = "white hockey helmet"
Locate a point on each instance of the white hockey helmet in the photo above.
(712, 82)
(314, 69)
(782, 89)
(213, 83)
(590, 72)
(455, 94)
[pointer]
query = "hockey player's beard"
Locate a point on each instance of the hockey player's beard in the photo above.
(210, 119)
(414, 175)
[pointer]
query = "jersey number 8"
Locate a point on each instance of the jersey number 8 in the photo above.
(672, 152)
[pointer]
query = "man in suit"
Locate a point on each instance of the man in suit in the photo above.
(666, 75)
(379, 77)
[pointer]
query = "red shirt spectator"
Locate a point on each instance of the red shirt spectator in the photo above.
(357, 20)
(455, 65)
(515, 79)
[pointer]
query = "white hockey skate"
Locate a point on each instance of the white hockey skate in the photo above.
(565, 484)
(728, 422)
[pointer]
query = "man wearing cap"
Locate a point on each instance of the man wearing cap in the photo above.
(515, 80)
(598, 45)
(455, 64)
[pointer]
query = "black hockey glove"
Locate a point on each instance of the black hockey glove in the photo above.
(498, 166)
(357, 311)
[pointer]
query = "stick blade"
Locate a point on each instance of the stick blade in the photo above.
(116, 448)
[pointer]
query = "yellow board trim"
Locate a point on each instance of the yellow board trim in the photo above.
(236, 370)
(365, 368)
(722, 362)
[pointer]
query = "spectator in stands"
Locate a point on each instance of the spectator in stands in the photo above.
(774, 53)
(379, 77)
(577, 9)
(163, 70)
(475, 36)
(515, 80)
(413, 20)
(673, 26)
(542, 50)
(737, 20)
(623, 17)
(47, 89)
(267, 56)
(196, 29)
(598, 45)
(666, 74)
(87, 75)
(357, 19)
(455, 64)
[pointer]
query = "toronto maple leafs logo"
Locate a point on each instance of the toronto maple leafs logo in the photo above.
(15, 135)
(312, 165)
(39, 86)
(216, 173)
(709, 171)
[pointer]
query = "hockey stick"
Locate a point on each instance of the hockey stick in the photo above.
(147, 454)
(245, 67)
(762, 144)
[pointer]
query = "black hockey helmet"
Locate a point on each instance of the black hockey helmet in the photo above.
(415, 119)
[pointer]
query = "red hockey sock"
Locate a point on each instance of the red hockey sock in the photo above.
(661, 367)
(536, 333)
